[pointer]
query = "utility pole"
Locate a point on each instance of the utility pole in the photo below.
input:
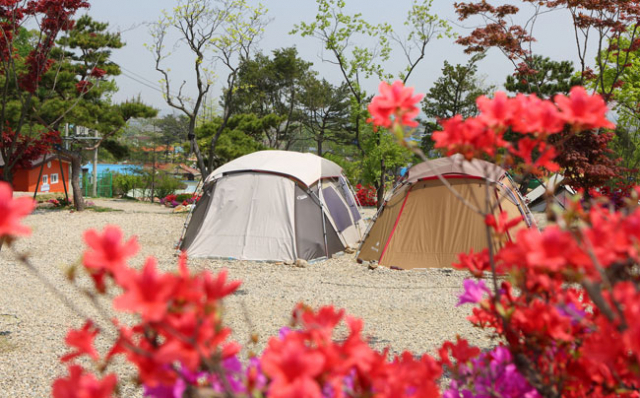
(153, 175)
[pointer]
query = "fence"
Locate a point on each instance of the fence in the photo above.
(104, 187)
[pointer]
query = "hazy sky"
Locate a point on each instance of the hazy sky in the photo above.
(139, 76)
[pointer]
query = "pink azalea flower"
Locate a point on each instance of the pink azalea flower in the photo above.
(473, 292)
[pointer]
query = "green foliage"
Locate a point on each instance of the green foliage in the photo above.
(271, 87)
(240, 137)
(183, 196)
(173, 128)
(626, 103)
(326, 113)
(380, 146)
(453, 93)
(166, 184)
(117, 150)
(352, 168)
(543, 77)
(213, 31)
(423, 26)
(123, 183)
(86, 48)
(337, 30)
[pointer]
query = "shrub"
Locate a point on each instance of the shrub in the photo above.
(182, 199)
(167, 184)
(123, 183)
(60, 202)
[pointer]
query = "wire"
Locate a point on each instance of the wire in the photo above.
(139, 76)
(143, 83)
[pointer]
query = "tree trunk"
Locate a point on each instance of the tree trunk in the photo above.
(319, 147)
(7, 175)
(383, 172)
(76, 170)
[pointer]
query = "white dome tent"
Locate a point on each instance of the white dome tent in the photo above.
(274, 206)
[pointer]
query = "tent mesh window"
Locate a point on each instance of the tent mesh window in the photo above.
(337, 209)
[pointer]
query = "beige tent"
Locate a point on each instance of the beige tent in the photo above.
(274, 206)
(424, 225)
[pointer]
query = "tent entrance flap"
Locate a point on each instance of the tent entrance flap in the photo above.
(310, 239)
(198, 216)
(251, 217)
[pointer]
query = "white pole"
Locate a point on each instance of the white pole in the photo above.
(94, 191)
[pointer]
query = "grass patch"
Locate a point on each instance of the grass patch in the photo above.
(101, 209)
(5, 344)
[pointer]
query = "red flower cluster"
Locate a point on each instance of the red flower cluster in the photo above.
(583, 340)
(12, 211)
(533, 118)
(82, 385)
(366, 196)
(310, 363)
(180, 332)
(182, 310)
(394, 100)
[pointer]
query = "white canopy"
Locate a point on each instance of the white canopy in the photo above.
(304, 167)
(552, 184)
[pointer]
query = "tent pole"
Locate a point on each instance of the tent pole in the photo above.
(324, 226)
(35, 193)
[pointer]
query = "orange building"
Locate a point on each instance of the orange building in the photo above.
(25, 180)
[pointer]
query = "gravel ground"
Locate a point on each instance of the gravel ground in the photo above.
(404, 310)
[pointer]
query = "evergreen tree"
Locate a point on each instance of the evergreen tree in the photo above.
(271, 88)
(454, 93)
(326, 113)
(543, 77)
(80, 83)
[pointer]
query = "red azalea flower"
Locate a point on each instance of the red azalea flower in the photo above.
(476, 263)
(82, 341)
(79, 385)
(293, 367)
(497, 112)
(108, 251)
(536, 116)
(395, 100)
(470, 138)
(216, 287)
(583, 110)
(547, 153)
(147, 292)
(502, 224)
(461, 351)
(12, 211)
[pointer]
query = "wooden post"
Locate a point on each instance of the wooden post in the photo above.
(35, 193)
(64, 183)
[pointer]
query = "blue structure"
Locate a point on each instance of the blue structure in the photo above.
(116, 168)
